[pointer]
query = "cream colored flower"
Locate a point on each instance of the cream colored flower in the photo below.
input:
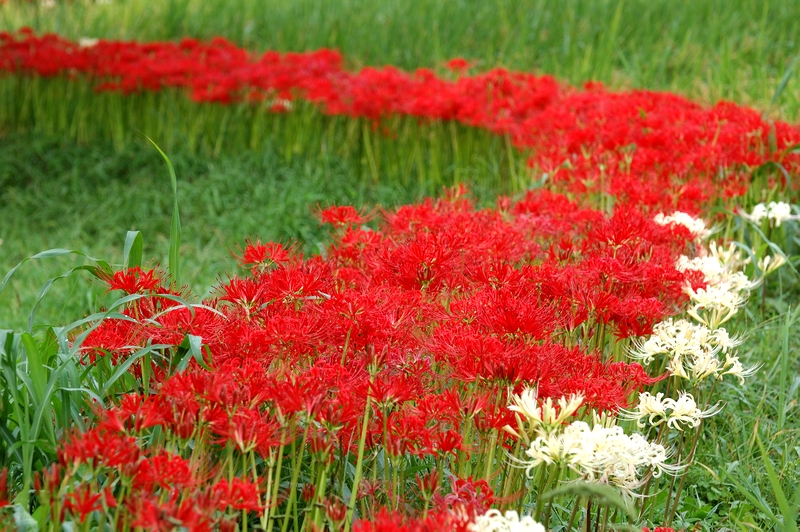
(777, 212)
(527, 404)
(545, 416)
(693, 350)
(734, 367)
(769, 264)
(600, 453)
(685, 410)
(695, 225)
(494, 521)
(87, 42)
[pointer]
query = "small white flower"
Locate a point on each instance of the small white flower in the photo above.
(684, 410)
(87, 42)
(776, 212)
(724, 341)
(779, 212)
(695, 225)
(758, 214)
(494, 521)
(527, 404)
(650, 407)
(600, 453)
(769, 264)
(734, 367)
(545, 417)
(692, 350)
(727, 288)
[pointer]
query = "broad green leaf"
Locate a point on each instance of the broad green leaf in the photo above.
(175, 229)
(123, 368)
(132, 255)
(789, 513)
(36, 369)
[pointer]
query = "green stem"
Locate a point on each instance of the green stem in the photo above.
(351, 506)
(292, 502)
(490, 458)
(574, 514)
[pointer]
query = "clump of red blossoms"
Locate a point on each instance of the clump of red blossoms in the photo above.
(404, 342)
(658, 150)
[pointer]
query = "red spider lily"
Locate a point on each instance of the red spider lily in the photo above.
(414, 333)
(342, 216)
(4, 497)
(132, 281)
(163, 471)
(474, 497)
(100, 447)
(83, 502)
(247, 429)
(458, 65)
(151, 514)
(385, 521)
(263, 256)
(335, 510)
(238, 494)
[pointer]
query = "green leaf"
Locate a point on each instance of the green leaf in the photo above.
(602, 493)
(36, 367)
(191, 345)
(48, 254)
(132, 255)
(787, 512)
(196, 348)
(123, 368)
(175, 230)
(783, 82)
(49, 284)
(46, 403)
(758, 502)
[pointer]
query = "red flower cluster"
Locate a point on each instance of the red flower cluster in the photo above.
(655, 149)
(411, 337)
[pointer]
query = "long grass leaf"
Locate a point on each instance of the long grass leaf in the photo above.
(123, 368)
(175, 228)
(132, 253)
(758, 503)
(48, 254)
(787, 512)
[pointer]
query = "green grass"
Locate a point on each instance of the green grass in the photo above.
(732, 485)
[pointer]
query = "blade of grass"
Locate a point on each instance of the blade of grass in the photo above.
(175, 228)
(788, 512)
(132, 254)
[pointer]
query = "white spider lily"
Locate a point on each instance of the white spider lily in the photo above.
(676, 413)
(494, 521)
(599, 453)
(776, 212)
(695, 225)
(544, 416)
(693, 350)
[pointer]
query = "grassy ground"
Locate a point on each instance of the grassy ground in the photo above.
(58, 193)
